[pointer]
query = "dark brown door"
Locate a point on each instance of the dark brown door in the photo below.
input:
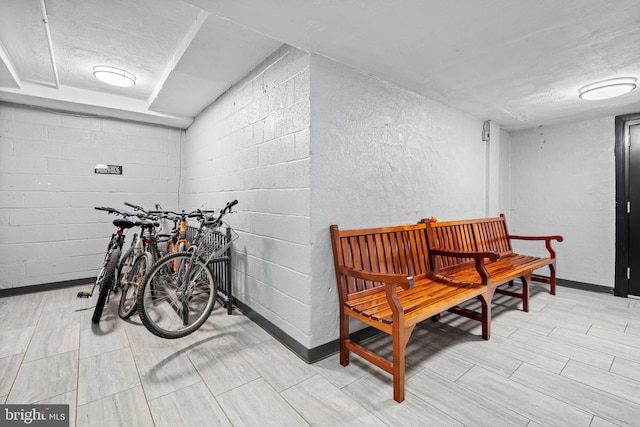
(634, 209)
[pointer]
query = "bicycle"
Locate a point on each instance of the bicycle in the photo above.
(178, 239)
(179, 293)
(138, 259)
(107, 277)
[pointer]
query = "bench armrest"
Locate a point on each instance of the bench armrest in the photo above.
(557, 238)
(546, 239)
(478, 258)
(387, 278)
(493, 256)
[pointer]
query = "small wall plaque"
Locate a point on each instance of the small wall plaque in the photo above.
(108, 169)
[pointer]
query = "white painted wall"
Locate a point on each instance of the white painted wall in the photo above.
(252, 144)
(50, 231)
(563, 182)
(382, 155)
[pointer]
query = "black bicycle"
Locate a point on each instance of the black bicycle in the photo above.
(139, 258)
(107, 280)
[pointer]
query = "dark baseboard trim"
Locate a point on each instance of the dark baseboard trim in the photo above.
(581, 285)
(309, 355)
(45, 287)
(584, 286)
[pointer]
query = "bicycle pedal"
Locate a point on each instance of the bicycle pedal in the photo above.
(84, 294)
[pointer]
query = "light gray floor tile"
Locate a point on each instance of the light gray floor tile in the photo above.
(8, 370)
(449, 367)
(322, 404)
(20, 311)
(594, 401)
(612, 318)
(48, 342)
(258, 404)
(562, 348)
(534, 356)
(532, 404)
(599, 422)
(44, 378)
(268, 354)
(526, 321)
(339, 375)
(375, 393)
(633, 329)
(142, 341)
(580, 319)
(68, 398)
(472, 349)
(3, 399)
(242, 331)
(165, 371)
(220, 365)
(15, 341)
(59, 318)
(67, 298)
(599, 344)
(626, 368)
(190, 406)
(615, 336)
(106, 374)
(99, 339)
(125, 409)
(609, 382)
(465, 406)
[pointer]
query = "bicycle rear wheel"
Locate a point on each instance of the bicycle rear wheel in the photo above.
(171, 310)
(130, 284)
(106, 283)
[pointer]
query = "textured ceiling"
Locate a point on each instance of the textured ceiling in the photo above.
(518, 64)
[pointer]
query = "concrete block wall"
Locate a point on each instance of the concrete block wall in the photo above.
(382, 155)
(563, 182)
(50, 231)
(252, 144)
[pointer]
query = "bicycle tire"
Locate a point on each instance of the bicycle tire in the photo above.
(125, 261)
(161, 309)
(106, 284)
(131, 283)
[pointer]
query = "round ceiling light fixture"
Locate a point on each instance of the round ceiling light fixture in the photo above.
(114, 76)
(606, 89)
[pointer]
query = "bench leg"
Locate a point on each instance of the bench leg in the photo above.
(400, 338)
(344, 336)
(552, 279)
(435, 318)
(485, 300)
(525, 292)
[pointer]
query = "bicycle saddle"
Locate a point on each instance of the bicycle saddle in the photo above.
(123, 223)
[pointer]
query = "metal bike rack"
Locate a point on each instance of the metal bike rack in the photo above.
(219, 266)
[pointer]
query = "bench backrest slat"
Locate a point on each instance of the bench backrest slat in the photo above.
(399, 250)
(480, 235)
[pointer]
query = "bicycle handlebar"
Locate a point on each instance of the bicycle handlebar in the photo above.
(136, 207)
(114, 211)
(203, 214)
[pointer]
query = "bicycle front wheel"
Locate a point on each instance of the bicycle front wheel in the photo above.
(106, 283)
(130, 284)
(176, 298)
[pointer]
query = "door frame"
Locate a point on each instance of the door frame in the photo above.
(622, 123)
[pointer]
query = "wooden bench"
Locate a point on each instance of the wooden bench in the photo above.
(480, 250)
(384, 280)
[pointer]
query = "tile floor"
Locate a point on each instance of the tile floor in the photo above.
(574, 360)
